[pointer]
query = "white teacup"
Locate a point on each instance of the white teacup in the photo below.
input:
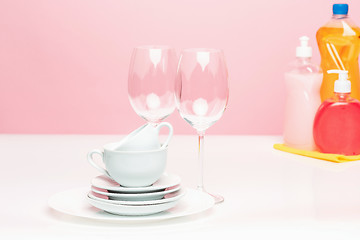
(144, 138)
(131, 168)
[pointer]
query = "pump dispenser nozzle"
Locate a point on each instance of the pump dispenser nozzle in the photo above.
(304, 50)
(342, 85)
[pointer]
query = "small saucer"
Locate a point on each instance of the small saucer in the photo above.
(165, 181)
(135, 196)
(131, 210)
(168, 198)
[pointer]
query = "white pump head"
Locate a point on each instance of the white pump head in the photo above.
(304, 50)
(342, 85)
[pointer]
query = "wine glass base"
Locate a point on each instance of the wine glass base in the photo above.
(218, 198)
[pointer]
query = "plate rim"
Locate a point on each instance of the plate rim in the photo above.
(145, 194)
(179, 195)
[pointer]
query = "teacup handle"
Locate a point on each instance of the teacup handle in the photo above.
(91, 161)
(169, 126)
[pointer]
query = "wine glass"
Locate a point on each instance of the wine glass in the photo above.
(202, 94)
(151, 82)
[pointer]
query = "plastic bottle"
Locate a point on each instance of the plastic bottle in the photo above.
(336, 124)
(339, 45)
(302, 82)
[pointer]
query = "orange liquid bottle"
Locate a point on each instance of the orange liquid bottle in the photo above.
(339, 45)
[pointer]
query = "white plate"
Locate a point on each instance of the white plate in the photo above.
(73, 202)
(135, 196)
(168, 198)
(166, 181)
(132, 210)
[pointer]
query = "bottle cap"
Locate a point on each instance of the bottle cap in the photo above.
(341, 9)
(342, 85)
(304, 50)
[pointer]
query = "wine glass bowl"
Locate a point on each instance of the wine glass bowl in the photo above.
(151, 82)
(201, 87)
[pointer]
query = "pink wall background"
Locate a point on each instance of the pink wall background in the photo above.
(64, 64)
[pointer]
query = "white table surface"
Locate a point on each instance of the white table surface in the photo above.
(268, 194)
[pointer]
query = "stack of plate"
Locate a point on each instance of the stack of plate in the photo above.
(108, 195)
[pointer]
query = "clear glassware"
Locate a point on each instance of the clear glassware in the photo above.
(202, 94)
(151, 82)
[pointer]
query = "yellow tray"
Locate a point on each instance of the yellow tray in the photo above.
(337, 158)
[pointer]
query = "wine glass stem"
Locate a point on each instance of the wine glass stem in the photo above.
(201, 135)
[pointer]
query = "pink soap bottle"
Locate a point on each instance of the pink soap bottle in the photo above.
(303, 82)
(337, 124)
